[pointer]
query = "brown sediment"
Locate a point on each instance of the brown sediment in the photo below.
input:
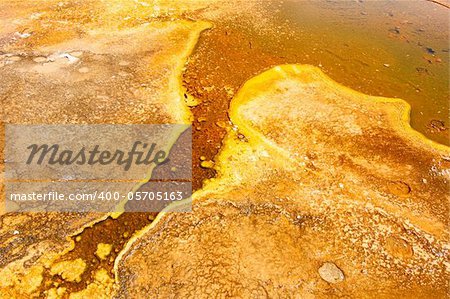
(115, 232)
(225, 58)
(111, 85)
(207, 78)
(109, 230)
(346, 55)
(210, 122)
(268, 233)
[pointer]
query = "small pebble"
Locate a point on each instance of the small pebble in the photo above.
(331, 273)
(399, 188)
(430, 50)
(398, 247)
(221, 124)
(69, 57)
(23, 35)
(207, 164)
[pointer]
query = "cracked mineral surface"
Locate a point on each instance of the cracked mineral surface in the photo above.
(323, 196)
(304, 187)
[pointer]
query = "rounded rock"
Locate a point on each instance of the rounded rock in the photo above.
(331, 273)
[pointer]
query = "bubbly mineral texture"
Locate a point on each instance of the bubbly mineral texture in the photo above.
(73, 63)
(324, 176)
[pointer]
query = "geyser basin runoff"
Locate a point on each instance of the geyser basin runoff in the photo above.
(348, 188)
(306, 218)
(106, 72)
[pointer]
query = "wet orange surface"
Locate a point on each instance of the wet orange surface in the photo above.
(72, 68)
(406, 57)
(301, 34)
(332, 212)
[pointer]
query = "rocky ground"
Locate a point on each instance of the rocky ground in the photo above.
(314, 190)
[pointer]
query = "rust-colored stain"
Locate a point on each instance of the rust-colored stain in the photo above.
(323, 200)
(362, 221)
